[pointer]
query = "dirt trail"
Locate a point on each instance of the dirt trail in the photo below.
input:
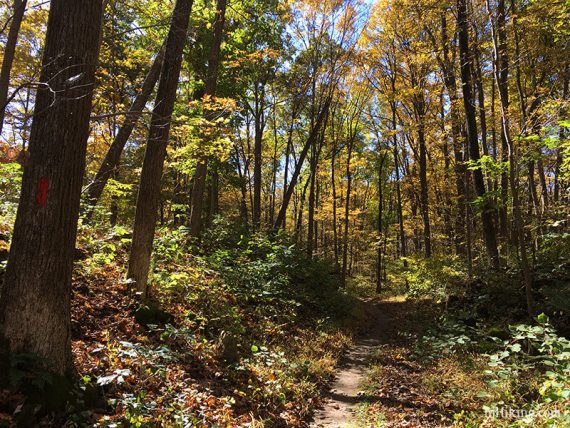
(345, 395)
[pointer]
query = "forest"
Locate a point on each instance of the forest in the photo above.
(285, 213)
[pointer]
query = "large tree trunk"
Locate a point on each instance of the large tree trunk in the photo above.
(35, 300)
(199, 181)
(9, 51)
(470, 113)
(112, 158)
(148, 199)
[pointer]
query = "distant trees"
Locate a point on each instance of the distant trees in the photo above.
(35, 297)
(370, 135)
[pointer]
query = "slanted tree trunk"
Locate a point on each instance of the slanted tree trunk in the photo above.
(148, 199)
(199, 181)
(471, 116)
(302, 156)
(35, 301)
(9, 52)
(111, 162)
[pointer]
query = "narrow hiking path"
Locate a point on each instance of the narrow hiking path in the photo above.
(345, 394)
(380, 384)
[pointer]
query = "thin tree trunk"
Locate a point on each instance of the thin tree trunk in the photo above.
(403, 246)
(470, 113)
(501, 80)
(334, 197)
(259, 116)
(291, 186)
(380, 249)
(111, 162)
(148, 199)
(424, 191)
(346, 215)
(559, 152)
(9, 52)
(35, 303)
(450, 81)
(199, 181)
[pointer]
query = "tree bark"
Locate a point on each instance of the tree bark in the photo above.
(35, 301)
(9, 52)
(148, 199)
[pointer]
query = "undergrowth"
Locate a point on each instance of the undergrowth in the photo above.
(241, 329)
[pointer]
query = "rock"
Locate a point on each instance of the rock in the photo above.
(228, 348)
(152, 313)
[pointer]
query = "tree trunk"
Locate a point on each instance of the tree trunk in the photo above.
(113, 156)
(559, 152)
(334, 208)
(402, 232)
(148, 199)
(501, 64)
(201, 172)
(291, 186)
(424, 193)
(35, 301)
(470, 113)
(259, 117)
(346, 216)
(379, 230)
(9, 51)
(448, 69)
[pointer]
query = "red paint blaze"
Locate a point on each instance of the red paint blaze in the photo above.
(42, 194)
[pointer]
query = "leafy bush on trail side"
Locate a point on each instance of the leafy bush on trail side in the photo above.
(529, 371)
